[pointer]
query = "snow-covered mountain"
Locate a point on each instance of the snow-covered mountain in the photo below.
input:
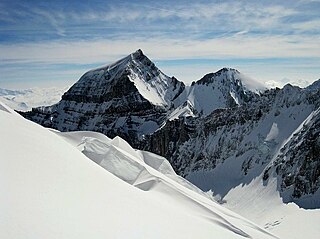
(225, 88)
(224, 133)
(134, 76)
(53, 187)
(133, 98)
(232, 118)
(129, 98)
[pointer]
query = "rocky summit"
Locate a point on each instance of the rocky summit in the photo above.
(225, 126)
(129, 98)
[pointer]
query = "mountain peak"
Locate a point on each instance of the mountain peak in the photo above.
(133, 72)
(131, 93)
(225, 73)
(138, 53)
(228, 69)
(137, 56)
(225, 88)
(314, 86)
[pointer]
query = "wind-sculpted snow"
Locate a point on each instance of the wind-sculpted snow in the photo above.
(52, 190)
(119, 158)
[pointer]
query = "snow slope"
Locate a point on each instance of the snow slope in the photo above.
(262, 204)
(49, 189)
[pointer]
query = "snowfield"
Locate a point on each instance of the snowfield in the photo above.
(51, 189)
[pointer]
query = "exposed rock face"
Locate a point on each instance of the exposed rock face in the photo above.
(221, 127)
(298, 163)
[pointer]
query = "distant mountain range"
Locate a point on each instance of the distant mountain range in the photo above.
(225, 127)
(24, 100)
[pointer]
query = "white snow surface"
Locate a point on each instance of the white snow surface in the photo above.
(158, 90)
(262, 204)
(49, 189)
(25, 100)
(184, 110)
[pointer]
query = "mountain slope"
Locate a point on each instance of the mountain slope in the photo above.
(49, 183)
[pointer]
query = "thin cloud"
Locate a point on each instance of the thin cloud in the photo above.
(195, 17)
(237, 46)
(56, 20)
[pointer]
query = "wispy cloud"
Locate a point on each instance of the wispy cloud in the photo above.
(236, 46)
(56, 20)
(97, 32)
(190, 20)
(255, 55)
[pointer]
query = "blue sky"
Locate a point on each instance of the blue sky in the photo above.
(52, 43)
